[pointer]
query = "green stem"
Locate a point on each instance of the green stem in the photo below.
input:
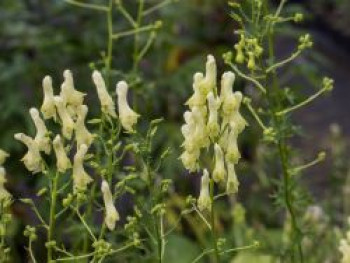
(89, 6)
(212, 223)
(136, 35)
(275, 105)
(52, 221)
(110, 41)
(303, 103)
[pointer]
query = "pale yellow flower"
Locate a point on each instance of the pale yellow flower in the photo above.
(213, 125)
(112, 215)
(69, 94)
(107, 104)
(204, 202)
(32, 159)
(81, 179)
(62, 161)
(128, 117)
(66, 119)
(82, 134)
(48, 108)
(232, 182)
(219, 172)
(42, 134)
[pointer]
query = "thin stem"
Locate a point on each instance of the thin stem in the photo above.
(126, 14)
(283, 62)
(89, 6)
(303, 103)
(85, 224)
(76, 257)
(136, 35)
(319, 159)
(255, 115)
(156, 7)
(246, 77)
(52, 221)
(275, 105)
(134, 31)
(109, 41)
(212, 222)
(30, 249)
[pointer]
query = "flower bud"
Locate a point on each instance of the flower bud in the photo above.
(251, 61)
(204, 202)
(128, 117)
(62, 161)
(112, 215)
(48, 108)
(41, 137)
(107, 104)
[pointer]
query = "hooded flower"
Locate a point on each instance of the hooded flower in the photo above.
(48, 108)
(213, 125)
(107, 104)
(3, 192)
(69, 94)
(32, 160)
(235, 119)
(83, 136)
(227, 97)
(128, 117)
(232, 153)
(62, 161)
(219, 172)
(198, 97)
(80, 178)
(112, 215)
(232, 182)
(189, 160)
(66, 119)
(209, 82)
(204, 202)
(3, 157)
(41, 138)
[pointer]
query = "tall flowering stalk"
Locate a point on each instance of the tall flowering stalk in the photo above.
(212, 126)
(254, 60)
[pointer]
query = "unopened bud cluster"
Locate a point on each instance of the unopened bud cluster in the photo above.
(248, 51)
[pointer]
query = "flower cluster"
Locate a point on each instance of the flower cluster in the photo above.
(213, 120)
(69, 111)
